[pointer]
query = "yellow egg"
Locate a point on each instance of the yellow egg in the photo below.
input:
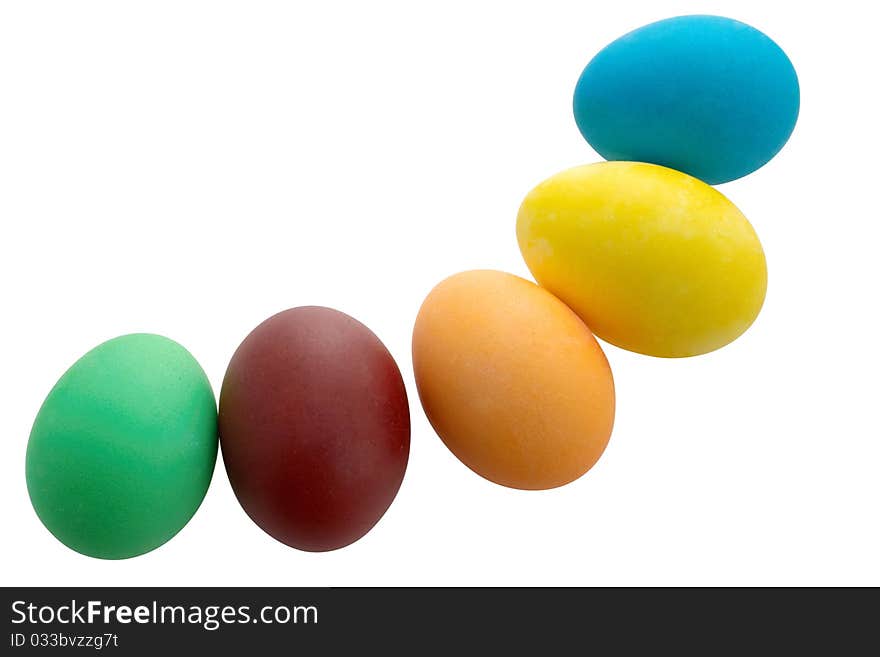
(653, 260)
(512, 380)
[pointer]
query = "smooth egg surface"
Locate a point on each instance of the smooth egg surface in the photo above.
(314, 427)
(706, 95)
(653, 260)
(122, 451)
(512, 380)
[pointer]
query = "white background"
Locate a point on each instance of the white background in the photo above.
(190, 168)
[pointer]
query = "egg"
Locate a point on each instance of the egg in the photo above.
(653, 260)
(314, 428)
(122, 450)
(707, 95)
(512, 380)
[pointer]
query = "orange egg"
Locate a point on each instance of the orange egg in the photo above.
(512, 380)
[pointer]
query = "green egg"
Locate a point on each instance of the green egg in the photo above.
(122, 451)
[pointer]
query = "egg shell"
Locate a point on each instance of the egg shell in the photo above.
(512, 380)
(707, 95)
(314, 428)
(123, 448)
(653, 260)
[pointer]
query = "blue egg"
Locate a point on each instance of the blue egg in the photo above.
(707, 95)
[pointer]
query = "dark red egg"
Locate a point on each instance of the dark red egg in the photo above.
(314, 427)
